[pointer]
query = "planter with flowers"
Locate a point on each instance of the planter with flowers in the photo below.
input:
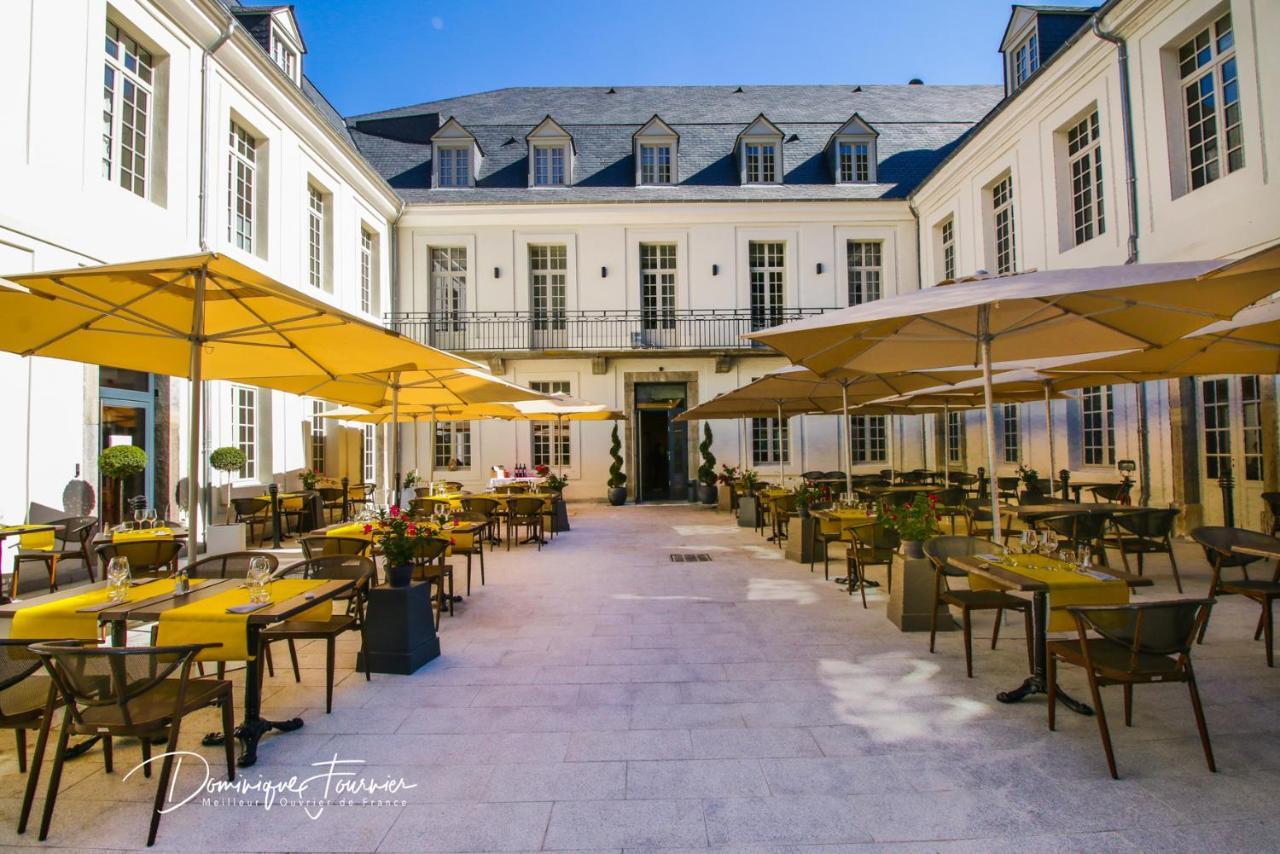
(914, 522)
(809, 496)
(748, 501)
(400, 538)
(728, 480)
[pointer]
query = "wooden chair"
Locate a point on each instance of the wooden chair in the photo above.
(146, 557)
(1080, 530)
(329, 568)
(940, 550)
(1008, 488)
(70, 542)
(361, 494)
(524, 513)
(1138, 644)
(425, 508)
(429, 565)
(477, 541)
(492, 509)
(826, 539)
(870, 544)
(1117, 493)
(322, 546)
(1143, 532)
(1273, 507)
(124, 692)
(252, 513)
(784, 508)
(950, 504)
(23, 694)
(229, 565)
(1217, 543)
(331, 500)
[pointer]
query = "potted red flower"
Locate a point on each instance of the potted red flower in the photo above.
(399, 537)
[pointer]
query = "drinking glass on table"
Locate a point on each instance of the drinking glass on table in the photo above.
(1048, 542)
(139, 516)
(118, 577)
(151, 517)
(256, 578)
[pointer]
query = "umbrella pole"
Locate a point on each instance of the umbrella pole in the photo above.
(946, 443)
(984, 345)
(891, 439)
(782, 447)
(431, 450)
(395, 432)
(843, 435)
(1048, 421)
(416, 457)
(196, 374)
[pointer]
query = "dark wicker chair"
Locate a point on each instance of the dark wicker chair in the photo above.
(425, 508)
(124, 692)
(146, 557)
(492, 508)
(229, 565)
(1117, 493)
(1080, 530)
(361, 569)
(869, 545)
(331, 500)
(1218, 543)
(70, 542)
(477, 541)
(951, 504)
(429, 565)
(23, 694)
(322, 546)
(1138, 644)
(1143, 532)
(940, 550)
(525, 513)
(253, 513)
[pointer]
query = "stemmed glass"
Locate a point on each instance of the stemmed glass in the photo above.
(1048, 542)
(256, 579)
(118, 577)
(151, 517)
(139, 516)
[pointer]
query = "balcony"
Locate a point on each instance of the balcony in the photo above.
(605, 332)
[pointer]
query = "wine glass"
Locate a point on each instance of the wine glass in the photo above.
(256, 577)
(151, 517)
(1028, 541)
(1048, 542)
(139, 515)
(118, 579)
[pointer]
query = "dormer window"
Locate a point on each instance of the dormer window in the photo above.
(1026, 59)
(656, 146)
(550, 155)
(283, 55)
(456, 155)
(760, 153)
(853, 152)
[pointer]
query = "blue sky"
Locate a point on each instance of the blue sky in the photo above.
(368, 55)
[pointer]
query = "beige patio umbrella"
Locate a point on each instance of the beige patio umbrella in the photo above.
(202, 317)
(1027, 316)
(560, 407)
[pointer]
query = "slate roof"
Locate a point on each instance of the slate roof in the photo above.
(918, 126)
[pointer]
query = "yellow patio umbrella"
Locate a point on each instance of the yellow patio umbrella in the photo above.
(1027, 316)
(202, 317)
(560, 407)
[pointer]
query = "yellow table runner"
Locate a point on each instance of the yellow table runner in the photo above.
(142, 535)
(292, 500)
(1066, 586)
(59, 619)
(354, 530)
(38, 541)
(835, 521)
(207, 620)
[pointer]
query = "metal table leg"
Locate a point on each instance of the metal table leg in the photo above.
(1036, 683)
(255, 726)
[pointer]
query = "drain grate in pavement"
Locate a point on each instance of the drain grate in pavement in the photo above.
(691, 557)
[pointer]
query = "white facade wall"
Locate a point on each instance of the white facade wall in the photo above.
(57, 210)
(1233, 216)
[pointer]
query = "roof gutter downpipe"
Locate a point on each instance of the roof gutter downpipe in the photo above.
(204, 130)
(1126, 123)
(1131, 180)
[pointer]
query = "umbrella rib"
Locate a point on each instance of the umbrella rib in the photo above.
(125, 308)
(266, 326)
(271, 327)
(107, 311)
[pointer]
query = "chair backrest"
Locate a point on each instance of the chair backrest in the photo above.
(833, 475)
(361, 491)
(420, 507)
(525, 507)
(1273, 502)
(229, 564)
(486, 506)
(1149, 522)
(1109, 492)
(1147, 628)
(813, 475)
(320, 546)
(246, 507)
(471, 516)
(91, 676)
(20, 694)
(1008, 484)
(512, 489)
(963, 478)
(1035, 498)
(428, 549)
(1079, 527)
(329, 494)
(333, 568)
(952, 496)
(877, 538)
(1218, 540)
(74, 531)
(453, 485)
(144, 556)
(941, 549)
(977, 509)
(912, 477)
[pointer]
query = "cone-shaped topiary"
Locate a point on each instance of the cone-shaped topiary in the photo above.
(617, 478)
(707, 471)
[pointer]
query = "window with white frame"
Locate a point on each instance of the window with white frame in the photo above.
(1211, 98)
(283, 55)
(1215, 409)
(550, 438)
(454, 168)
(1002, 220)
(453, 444)
(316, 227)
(244, 428)
(761, 162)
(548, 283)
(1011, 444)
(448, 287)
(854, 160)
(319, 432)
(549, 165)
(865, 270)
(242, 199)
(1084, 159)
(1251, 424)
(367, 271)
(655, 163)
(1026, 59)
(368, 453)
(127, 95)
(868, 438)
(1098, 426)
(766, 261)
(947, 246)
(658, 285)
(770, 441)
(955, 437)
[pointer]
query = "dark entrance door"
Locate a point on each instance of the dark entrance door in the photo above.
(661, 442)
(127, 418)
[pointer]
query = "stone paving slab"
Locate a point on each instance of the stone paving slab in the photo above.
(595, 696)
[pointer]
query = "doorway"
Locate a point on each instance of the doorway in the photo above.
(662, 458)
(127, 400)
(1232, 441)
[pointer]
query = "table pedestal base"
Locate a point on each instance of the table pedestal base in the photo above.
(1035, 685)
(249, 734)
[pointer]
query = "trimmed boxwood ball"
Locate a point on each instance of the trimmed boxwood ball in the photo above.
(227, 459)
(121, 462)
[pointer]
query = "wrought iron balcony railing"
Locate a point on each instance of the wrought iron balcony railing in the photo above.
(605, 330)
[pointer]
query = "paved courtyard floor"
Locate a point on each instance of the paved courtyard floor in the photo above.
(598, 696)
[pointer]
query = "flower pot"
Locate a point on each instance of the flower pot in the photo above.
(400, 576)
(617, 495)
(913, 549)
(707, 493)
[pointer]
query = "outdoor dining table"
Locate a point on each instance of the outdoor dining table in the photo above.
(134, 535)
(1011, 579)
(900, 489)
(1268, 552)
(1067, 508)
(23, 530)
(835, 520)
(1079, 486)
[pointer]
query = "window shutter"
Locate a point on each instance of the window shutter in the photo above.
(1075, 434)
